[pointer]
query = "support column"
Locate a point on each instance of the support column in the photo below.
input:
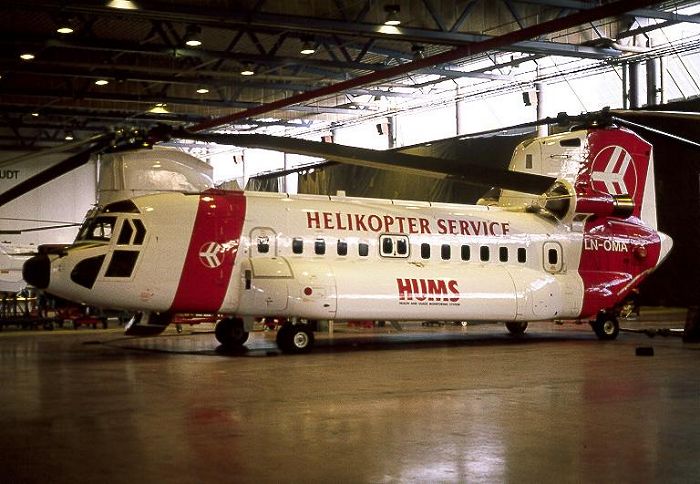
(542, 130)
(652, 75)
(635, 84)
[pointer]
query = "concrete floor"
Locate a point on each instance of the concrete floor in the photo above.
(444, 404)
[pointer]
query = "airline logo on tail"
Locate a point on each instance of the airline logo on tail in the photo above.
(613, 171)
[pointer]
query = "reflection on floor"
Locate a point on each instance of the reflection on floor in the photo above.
(446, 403)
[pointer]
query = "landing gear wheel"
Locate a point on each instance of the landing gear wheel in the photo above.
(606, 327)
(516, 328)
(295, 338)
(230, 332)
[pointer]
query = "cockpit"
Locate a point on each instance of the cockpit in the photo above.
(118, 226)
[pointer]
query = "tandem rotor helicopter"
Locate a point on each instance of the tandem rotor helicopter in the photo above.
(570, 235)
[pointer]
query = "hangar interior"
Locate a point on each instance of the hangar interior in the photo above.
(409, 76)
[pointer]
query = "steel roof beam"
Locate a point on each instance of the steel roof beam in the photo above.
(611, 9)
(642, 12)
(240, 19)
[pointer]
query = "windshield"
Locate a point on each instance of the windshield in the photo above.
(97, 228)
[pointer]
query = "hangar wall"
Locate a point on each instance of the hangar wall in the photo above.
(65, 199)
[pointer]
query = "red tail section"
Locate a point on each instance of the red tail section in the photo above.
(619, 163)
(617, 253)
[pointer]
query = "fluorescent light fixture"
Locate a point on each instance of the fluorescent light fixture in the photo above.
(160, 108)
(65, 30)
(101, 82)
(307, 48)
(202, 90)
(193, 36)
(35, 114)
(122, 4)
(26, 56)
(392, 15)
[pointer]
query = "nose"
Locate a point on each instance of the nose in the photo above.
(36, 271)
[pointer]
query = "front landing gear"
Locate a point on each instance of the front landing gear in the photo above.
(606, 327)
(295, 338)
(231, 333)
(516, 328)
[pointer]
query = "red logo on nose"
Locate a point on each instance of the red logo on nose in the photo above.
(613, 171)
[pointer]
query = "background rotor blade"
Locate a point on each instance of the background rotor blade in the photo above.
(420, 165)
(55, 149)
(70, 163)
(680, 126)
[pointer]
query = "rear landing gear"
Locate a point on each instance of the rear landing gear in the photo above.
(516, 328)
(231, 333)
(295, 338)
(606, 327)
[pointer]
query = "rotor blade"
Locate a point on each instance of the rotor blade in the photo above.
(36, 229)
(418, 165)
(56, 170)
(684, 122)
(55, 149)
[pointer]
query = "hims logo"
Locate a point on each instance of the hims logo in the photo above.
(427, 290)
(613, 171)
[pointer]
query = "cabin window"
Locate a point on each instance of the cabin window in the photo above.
(387, 246)
(425, 251)
(484, 253)
(363, 249)
(263, 245)
(140, 232)
(503, 254)
(342, 247)
(522, 255)
(297, 245)
(445, 251)
(85, 272)
(320, 247)
(248, 276)
(122, 263)
(393, 246)
(528, 162)
(553, 256)
(402, 246)
(572, 142)
(125, 234)
(466, 252)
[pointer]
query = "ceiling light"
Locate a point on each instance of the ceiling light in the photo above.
(202, 90)
(35, 114)
(122, 4)
(26, 56)
(65, 29)
(392, 15)
(102, 82)
(193, 36)
(69, 136)
(159, 108)
(308, 48)
(247, 70)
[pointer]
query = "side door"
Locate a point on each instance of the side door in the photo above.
(552, 257)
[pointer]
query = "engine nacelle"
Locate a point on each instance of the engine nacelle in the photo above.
(564, 202)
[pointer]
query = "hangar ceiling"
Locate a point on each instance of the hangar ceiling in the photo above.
(133, 67)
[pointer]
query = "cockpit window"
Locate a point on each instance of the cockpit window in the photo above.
(125, 234)
(98, 228)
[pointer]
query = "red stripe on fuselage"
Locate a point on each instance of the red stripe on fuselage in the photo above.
(211, 253)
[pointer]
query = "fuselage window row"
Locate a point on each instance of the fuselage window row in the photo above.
(398, 246)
